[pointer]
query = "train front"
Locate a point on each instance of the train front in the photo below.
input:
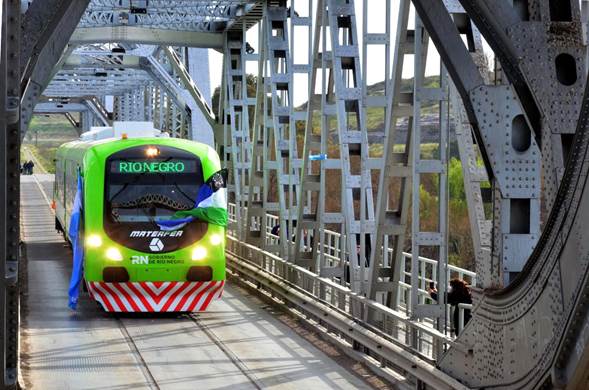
(159, 248)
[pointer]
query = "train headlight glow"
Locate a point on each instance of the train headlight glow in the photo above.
(114, 254)
(152, 151)
(199, 253)
(216, 239)
(94, 241)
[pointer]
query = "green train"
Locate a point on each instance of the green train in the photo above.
(148, 243)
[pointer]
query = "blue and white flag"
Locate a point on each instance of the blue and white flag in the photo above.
(210, 205)
(77, 246)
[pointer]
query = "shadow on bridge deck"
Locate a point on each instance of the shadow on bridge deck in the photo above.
(238, 344)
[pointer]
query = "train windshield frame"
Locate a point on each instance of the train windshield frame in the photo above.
(148, 183)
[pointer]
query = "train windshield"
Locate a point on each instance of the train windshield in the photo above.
(146, 184)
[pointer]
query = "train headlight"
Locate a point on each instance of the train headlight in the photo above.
(199, 253)
(114, 254)
(94, 241)
(216, 239)
(152, 151)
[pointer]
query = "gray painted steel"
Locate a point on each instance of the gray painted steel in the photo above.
(198, 67)
(523, 122)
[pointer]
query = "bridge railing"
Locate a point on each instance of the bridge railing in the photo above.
(391, 337)
(334, 250)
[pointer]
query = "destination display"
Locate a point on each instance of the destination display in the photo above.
(153, 166)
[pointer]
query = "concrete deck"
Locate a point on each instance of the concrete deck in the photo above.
(238, 344)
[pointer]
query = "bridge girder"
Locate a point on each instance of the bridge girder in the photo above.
(549, 301)
(496, 354)
(197, 16)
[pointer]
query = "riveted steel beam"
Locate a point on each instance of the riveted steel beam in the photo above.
(145, 35)
(58, 108)
(9, 192)
(46, 51)
(190, 85)
(541, 51)
(3, 210)
(98, 110)
(514, 168)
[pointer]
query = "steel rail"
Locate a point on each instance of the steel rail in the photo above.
(241, 366)
(144, 368)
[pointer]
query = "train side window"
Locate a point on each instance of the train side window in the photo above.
(61, 180)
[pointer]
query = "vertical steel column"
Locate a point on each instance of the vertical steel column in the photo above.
(258, 202)
(359, 220)
(139, 103)
(116, 103)
(312, 214)
(174, 125)
(148, 103)
(244, 135)
(298, 118)
(382, 42)
(183, 120)
(473, 174)
(280, 80)
(3, 177)
(86, 120)
(585, 24)
(436, 238)
(393, 205)
(10, 188)
(154, 97)
(236, 124)
(158, 107)
(168, 115)
(357, 216)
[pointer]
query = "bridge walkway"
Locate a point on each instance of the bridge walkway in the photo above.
(240, 343)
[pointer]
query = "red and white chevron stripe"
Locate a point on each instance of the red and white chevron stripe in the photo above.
(156, 296)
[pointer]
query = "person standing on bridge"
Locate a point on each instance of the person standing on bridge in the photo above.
(31, 166)
(457, 293)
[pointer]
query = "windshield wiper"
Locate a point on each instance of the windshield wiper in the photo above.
(183, 193)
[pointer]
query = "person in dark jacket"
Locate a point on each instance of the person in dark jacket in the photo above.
(457, 293)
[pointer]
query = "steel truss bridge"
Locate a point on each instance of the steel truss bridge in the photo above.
(525, 116)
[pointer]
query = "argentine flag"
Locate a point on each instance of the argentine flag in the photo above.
(210, 205)
(77, 246)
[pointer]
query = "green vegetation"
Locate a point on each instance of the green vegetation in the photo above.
(46, 133)
(42, 157)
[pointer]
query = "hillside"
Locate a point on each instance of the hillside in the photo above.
(378, 88)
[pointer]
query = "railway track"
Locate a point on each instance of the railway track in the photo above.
(149, 378)
(227, 351)
(193, 318)
(237, 344)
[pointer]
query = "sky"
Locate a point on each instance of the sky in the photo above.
(375, 72)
